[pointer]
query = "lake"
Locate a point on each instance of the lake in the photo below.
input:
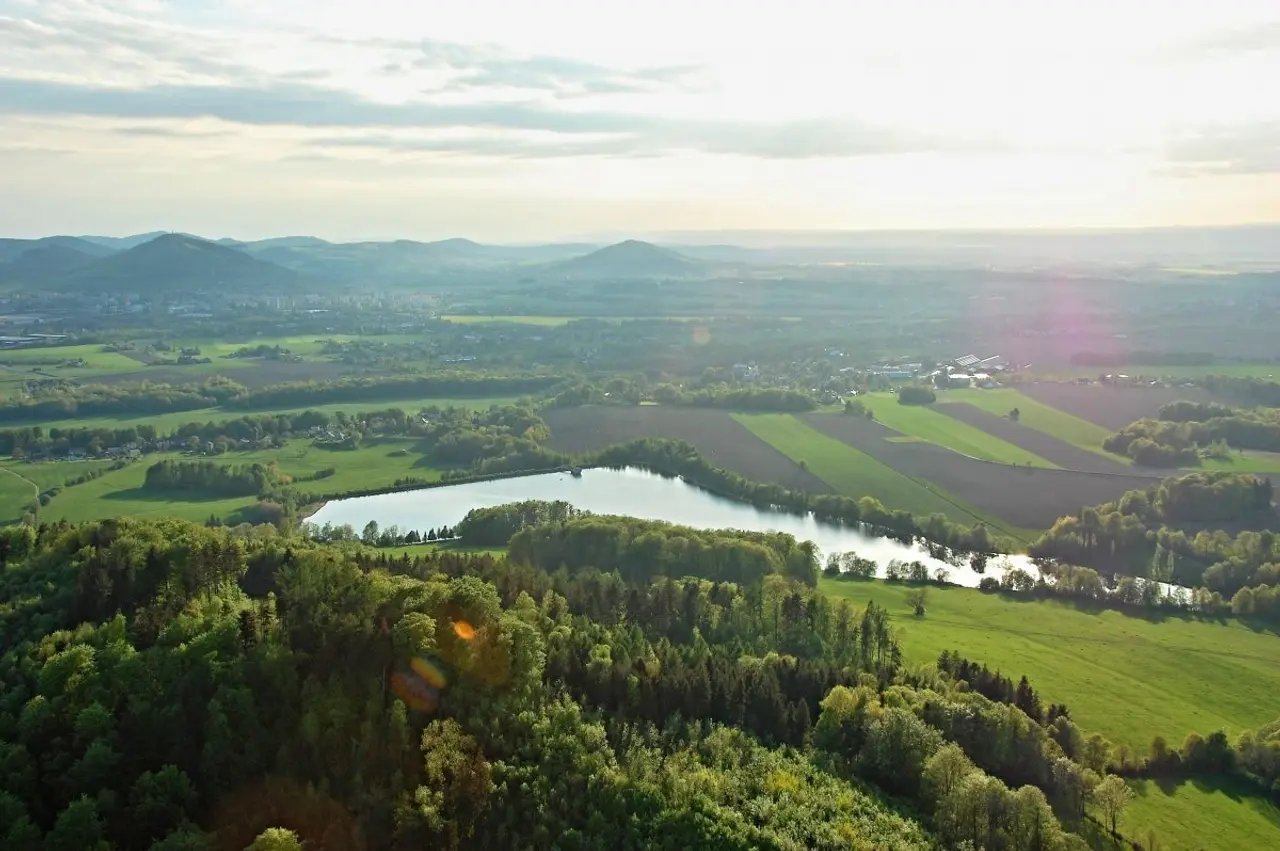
(639, 493)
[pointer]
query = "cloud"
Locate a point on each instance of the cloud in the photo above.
(307, 106)
(1263, 36)
(1240, 149)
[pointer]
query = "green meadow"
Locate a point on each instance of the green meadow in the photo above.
(1127, 677)
(929, 425)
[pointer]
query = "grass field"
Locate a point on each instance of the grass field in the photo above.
(1036, 415)
(91, 353)
(1129, 678)
(857, 474)
(377, 464)
(927, 424)
(1194, 815)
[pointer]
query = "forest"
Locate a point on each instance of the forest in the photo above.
(169, 686)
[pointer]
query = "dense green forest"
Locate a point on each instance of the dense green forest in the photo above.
(170, 686)
(1161, 533)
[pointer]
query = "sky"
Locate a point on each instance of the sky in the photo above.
(520, 121)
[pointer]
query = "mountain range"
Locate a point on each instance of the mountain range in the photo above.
(175, 263)
(178, 263)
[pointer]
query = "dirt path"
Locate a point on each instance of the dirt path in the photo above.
(34, 487)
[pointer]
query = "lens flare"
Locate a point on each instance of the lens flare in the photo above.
(420, 687)
(429, 671)
(464, 630)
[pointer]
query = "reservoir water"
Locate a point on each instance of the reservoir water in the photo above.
(639, 493)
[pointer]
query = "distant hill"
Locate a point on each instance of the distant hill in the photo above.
(629, 259)
(43, 263)
(11, 249)
(176, 262)
(123, 243)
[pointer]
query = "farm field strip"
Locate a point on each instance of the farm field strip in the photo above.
(1065, 455)
(1127, 677)
(854, 473)
(1037, 415)
(719, 438)
(923, 422)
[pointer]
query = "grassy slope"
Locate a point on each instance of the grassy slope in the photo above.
(857, 474)
(1038, 416)
(120, 492)
(1194, 815)
(1126, 677)
(923, 422)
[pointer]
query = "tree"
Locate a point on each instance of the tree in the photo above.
(915, 600)
(276, 839)
(458, 783)
(78, 828)
(370, 533)
(1112, 795)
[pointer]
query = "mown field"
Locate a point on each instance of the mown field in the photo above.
(929, 424)
(1127, 677)
(377, 464)
(1037, 415)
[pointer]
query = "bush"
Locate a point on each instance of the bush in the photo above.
(915, 394)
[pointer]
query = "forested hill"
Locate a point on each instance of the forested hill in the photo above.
(173, 263)
(169, 686)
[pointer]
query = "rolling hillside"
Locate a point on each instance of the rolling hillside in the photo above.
(176, 262)
(629, 259)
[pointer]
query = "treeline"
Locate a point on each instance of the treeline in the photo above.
(1249, 391)
(643, 549)
(1187, 430)
(1253, 759)
(494, 527)
(1142, 529)
(713, 395)
(93, 400)
(209, 477)
(367, 389)
(67, 402)
(677, 458)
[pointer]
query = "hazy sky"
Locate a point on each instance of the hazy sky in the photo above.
(514, 121)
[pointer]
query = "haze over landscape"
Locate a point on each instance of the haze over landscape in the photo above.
(574, 426)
